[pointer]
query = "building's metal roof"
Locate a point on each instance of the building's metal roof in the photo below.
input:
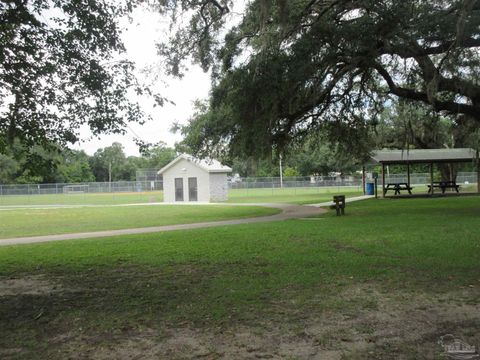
(423, 156)
(209, 165)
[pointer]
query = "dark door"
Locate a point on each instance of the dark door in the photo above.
(178, 189)
(192, 189)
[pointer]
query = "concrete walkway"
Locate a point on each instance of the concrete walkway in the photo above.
(288, 212)
(347, 200)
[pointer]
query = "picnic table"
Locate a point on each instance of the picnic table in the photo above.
(444, 185)
(397, 187)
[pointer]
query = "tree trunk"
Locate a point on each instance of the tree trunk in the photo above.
(448, 172)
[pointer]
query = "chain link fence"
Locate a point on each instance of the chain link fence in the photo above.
(81, 193)
(151, 190)
(293, 182)
(87, 187)
(337, 181)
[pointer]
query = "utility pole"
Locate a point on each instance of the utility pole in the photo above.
(281, 172)
(110, 176)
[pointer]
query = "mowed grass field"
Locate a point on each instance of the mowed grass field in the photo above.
(292, 195)
(310, 195)
(383, 282)
(284, 195)
(82, 198)
(48, 221)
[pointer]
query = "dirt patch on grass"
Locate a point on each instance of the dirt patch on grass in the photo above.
(184, 343)
(28, 285)
(396, 324)
(342, 246)
(359, 321)
(366, 323)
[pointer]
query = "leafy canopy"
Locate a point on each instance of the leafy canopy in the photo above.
(61, 68)
(290, 68)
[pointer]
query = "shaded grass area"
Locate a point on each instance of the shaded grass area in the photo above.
(240, 275)
(292, 195)
(31, 222)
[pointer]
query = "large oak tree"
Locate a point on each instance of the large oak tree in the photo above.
(290, 68)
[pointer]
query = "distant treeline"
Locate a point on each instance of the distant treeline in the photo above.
(72, 166)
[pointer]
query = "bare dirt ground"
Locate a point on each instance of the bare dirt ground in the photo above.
(29, 285)
(399, 327)
(367, 324)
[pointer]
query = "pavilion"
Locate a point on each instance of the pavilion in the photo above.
(425, 156)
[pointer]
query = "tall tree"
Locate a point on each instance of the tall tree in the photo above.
(8, 169)
(74, 167)
(158, 155)
(319, 156)
(32, 164)
(108, 163)
(404, 125)
(61, 68)
(290, 68)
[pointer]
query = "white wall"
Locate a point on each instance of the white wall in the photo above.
(185, 169)
(218, 187)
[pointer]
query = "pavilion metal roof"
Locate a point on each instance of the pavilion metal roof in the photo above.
(423, 156)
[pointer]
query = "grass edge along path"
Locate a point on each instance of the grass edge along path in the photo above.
(55, 221)
(286, 212)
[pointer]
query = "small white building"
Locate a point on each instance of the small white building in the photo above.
(190, 179)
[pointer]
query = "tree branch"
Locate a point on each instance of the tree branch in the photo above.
(448, 106)
(223, 9)
(407, 52)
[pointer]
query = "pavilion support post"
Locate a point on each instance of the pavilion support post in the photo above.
(431, 178)
(383, 180)
(363, 180)
(478, 173)
(408, 174)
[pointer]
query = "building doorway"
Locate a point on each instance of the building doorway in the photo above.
(192, 189)
(178, 189)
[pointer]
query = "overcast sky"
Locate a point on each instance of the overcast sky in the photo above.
(140, 39)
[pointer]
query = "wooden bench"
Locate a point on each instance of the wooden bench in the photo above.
(397, 187)
(444, 185)
(339, 201)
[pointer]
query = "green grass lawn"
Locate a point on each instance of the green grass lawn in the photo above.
(30, 222)
(291, 195)
(285, 195)
(85, 198)
(280, 195)
(383, 282)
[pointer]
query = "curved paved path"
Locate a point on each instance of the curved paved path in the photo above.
(289, 211)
